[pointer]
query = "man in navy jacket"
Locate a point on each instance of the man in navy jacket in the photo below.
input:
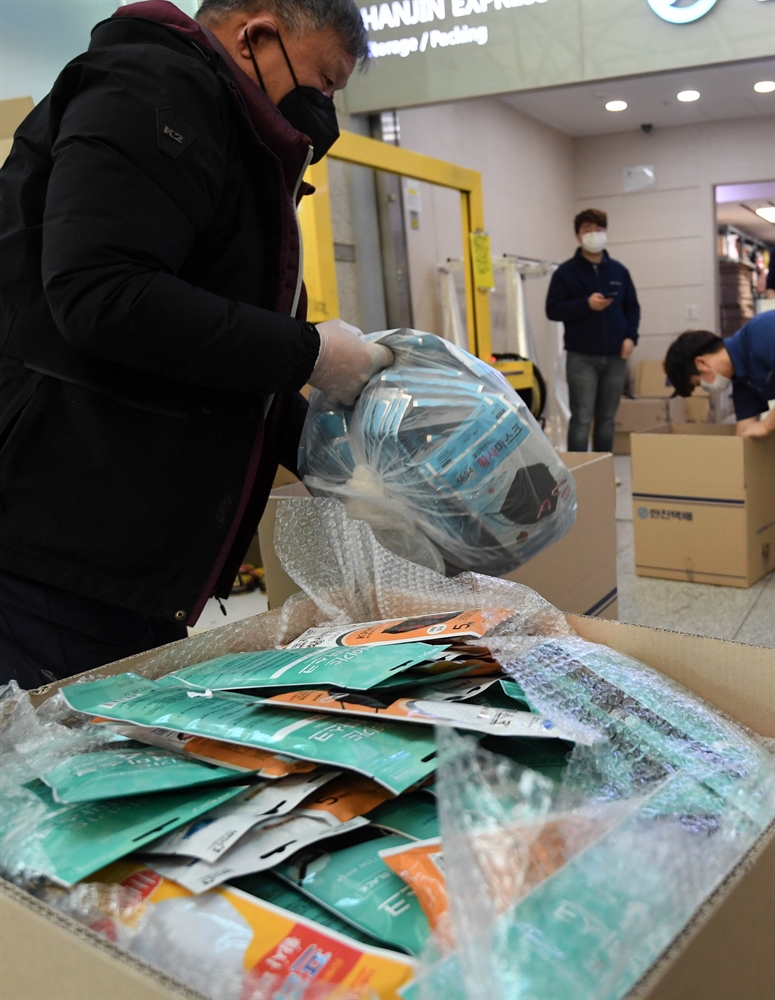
(746, 361)
(594, 297)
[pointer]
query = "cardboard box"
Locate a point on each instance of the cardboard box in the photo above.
(621, 442)
(724, 953)
(637, 415)
(578, 573)
(650, 380)
(703, 504)
(694, 409)
(279, 586)
(12, 114)
(640, 414)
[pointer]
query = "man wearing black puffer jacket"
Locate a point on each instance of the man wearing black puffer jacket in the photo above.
(152, 331)
(594, 297)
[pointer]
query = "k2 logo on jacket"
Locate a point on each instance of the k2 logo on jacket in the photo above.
(174, 134)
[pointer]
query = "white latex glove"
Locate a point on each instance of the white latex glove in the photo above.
(346, 361)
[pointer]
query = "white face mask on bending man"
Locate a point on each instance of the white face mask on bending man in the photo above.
(719, 384)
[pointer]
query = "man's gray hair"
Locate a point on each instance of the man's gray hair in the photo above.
(300, 16)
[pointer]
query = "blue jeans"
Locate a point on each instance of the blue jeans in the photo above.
(595, 383)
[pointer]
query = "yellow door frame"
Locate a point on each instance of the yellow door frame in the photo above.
(315, 218)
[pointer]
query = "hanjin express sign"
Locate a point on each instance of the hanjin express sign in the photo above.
(431, 51)
(425, 13)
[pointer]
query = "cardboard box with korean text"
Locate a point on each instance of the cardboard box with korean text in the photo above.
(637, 415)
(724, 953)
(703, 504)
(577, 574)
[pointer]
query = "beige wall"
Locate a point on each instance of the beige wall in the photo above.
(527, 171)
(666, 236)
(536, 179)
(527, 168)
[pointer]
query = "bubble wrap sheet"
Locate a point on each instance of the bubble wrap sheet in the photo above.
(172, 935)
(573, 892)
(442, 458)
(351, 577)
(31, 743)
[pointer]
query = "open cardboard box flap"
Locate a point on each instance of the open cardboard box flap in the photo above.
(725, 953)
(577, 573)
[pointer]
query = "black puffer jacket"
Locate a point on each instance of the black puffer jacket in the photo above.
(149, 278)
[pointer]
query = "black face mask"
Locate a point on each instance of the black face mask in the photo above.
(307, 109)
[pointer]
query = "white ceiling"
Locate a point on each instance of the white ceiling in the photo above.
(726, 92)
(742, 214)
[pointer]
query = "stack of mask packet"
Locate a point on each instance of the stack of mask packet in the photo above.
(267, 776)
(256, 809)
(442, 458)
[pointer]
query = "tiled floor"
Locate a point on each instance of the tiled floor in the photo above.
(723, 612)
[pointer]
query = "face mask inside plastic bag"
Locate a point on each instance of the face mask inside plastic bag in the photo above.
(443, 459)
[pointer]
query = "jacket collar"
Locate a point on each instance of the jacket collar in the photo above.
(274, 131)
(580, 257)
(736, 352)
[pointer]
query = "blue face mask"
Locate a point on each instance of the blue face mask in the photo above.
(308, 110)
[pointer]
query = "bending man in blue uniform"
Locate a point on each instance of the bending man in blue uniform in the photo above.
(746, 361)
(594, 297)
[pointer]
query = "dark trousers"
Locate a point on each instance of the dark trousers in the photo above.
(47, 634)
(595, 383)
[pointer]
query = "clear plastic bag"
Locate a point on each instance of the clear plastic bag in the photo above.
(31, 743)
(348, 576)
(443, 459)
(649, 820)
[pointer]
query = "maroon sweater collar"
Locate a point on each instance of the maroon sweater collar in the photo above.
(288, 145)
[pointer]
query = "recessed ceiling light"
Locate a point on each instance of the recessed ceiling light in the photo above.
(616, 106)
(767, 213)
(688, 95)
(764, 86)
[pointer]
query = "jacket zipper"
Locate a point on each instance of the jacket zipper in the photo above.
(300, 276)
(297, 294)
(596, 268)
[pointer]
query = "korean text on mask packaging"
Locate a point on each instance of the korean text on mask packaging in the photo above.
(396, 755)
(357, 885)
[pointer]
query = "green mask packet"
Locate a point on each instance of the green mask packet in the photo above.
(72, 841)
(395, 755)
(271, 889)
(128, 770)
(357, 885)
(497, 692)
(548, 757)
(422, 708)
(357, 667)
(413, 815)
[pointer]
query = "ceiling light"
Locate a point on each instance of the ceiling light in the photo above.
(768, 213)
(688, 95)
(616, 106)
(764, 86)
